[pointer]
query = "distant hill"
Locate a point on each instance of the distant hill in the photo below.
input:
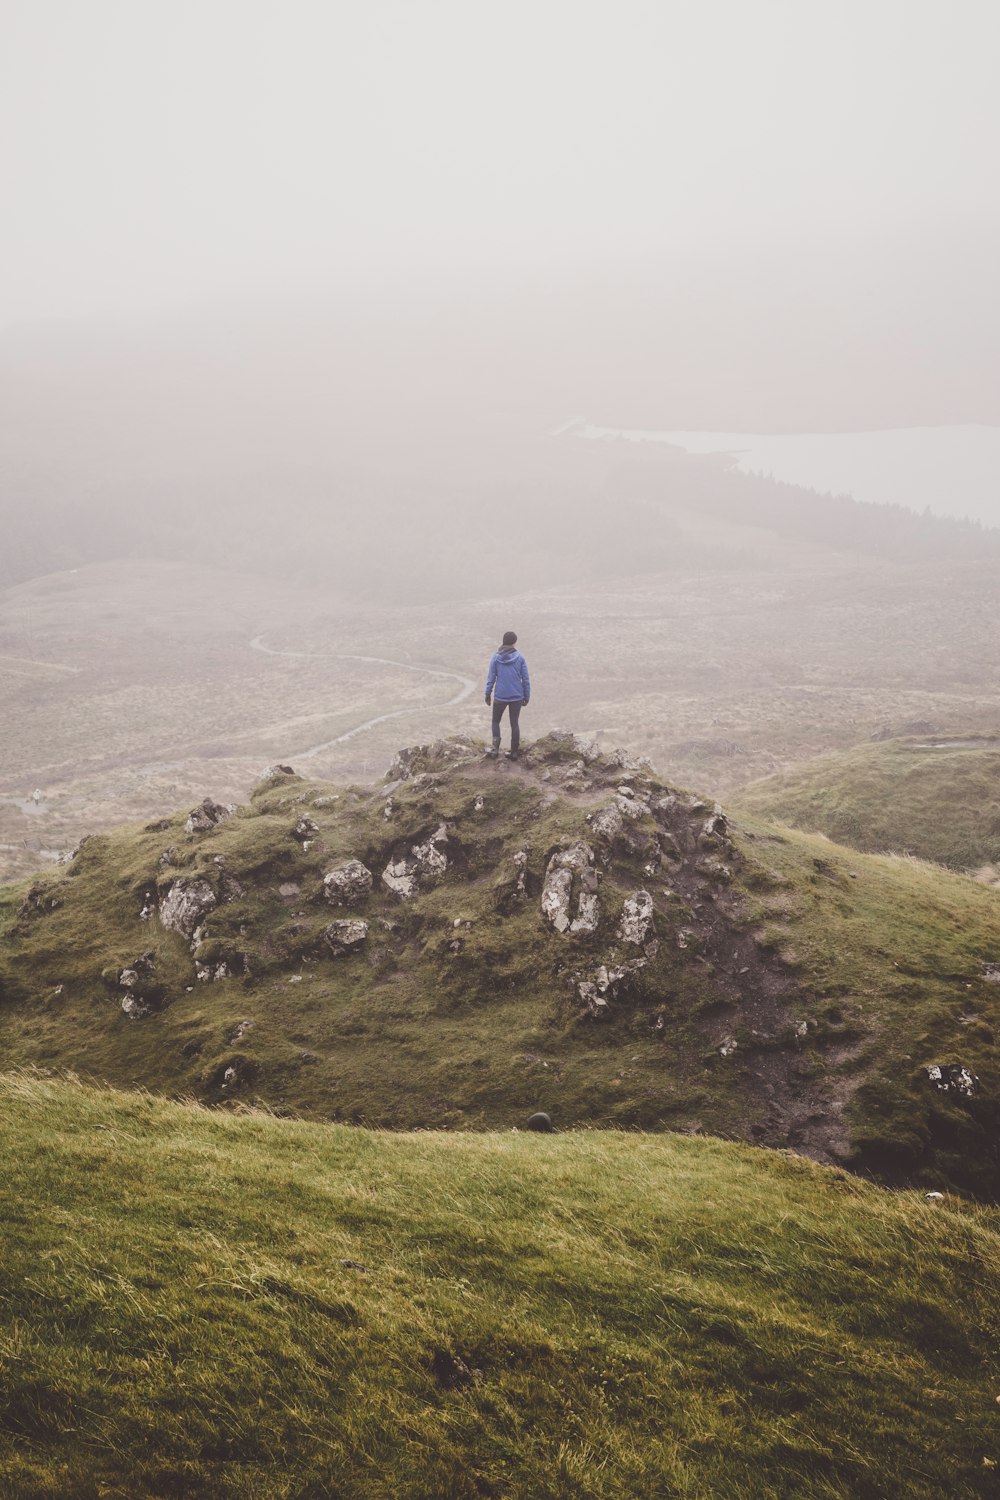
(932, 796)
(472, 941)
(214, 1306)
(325, 462)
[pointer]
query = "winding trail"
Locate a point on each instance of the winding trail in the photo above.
(467, 687)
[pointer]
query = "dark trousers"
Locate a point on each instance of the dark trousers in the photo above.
(515, 714)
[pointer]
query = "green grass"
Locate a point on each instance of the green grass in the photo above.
(884, 970)
(892, 951)
(939, 804)
(588, 1315)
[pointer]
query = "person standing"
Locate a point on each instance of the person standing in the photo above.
(509, 687)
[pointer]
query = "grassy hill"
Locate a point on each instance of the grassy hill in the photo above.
(766, 986)
(204, 1305)
(936, 797)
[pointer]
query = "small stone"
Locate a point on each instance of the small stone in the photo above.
(539, 1121)
(937, 1198)
(728, 1047)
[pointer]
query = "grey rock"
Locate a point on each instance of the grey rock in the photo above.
(636, 925)
(569, 894)
(210, 973)
(135, 1007)
(185, 906)
(304, 830)
(276, 773)
(348, 884)
(345, 936)
(596, 993)
(208, 815)
(539, 1121)
(607, 823)
(404, 873)
(953, 1078)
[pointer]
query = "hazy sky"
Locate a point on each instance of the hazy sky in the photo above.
(157, 152)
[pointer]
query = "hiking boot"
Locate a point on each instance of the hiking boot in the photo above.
(494, 752)
(513, 755)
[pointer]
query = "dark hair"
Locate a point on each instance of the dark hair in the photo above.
(510, 637)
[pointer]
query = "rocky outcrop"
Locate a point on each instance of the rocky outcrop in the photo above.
(273, 774)
(185, 906)
(596, 992)
(207, 815)
(345, 936)
(211, 973)
(349, 884)
(426, 861)
(419, 760)
(569, 894)
(135, 1007)
(636, 925)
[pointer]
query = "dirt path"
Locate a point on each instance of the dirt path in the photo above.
(467, 686)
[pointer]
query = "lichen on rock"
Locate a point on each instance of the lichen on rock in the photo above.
(185, 906)
(348, 884)
(569, 894)
(345, 936)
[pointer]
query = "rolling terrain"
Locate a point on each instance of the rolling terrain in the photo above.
(931, 795)
(201, 1305)
(471, 941)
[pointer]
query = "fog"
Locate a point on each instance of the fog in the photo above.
(295, 298)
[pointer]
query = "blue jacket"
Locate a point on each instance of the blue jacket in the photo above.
(509, 671)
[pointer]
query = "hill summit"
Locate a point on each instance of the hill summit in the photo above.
(472, 941)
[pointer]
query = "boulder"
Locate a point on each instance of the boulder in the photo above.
(345, 936)
(417, 759)
(135, 1007)
(348, 884)
(185, 906)
(953, 1078)
(272, 774)
(208, 815)
(210, 973)
(608, 823)
(404, 872)
(569, 894)
(603, 985)
(636, 925)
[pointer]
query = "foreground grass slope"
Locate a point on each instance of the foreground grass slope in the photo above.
(791, 993)
(934, 797)
(207, 1305)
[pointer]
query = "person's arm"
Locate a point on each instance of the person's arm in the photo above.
(525, 680)
(491, 676)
